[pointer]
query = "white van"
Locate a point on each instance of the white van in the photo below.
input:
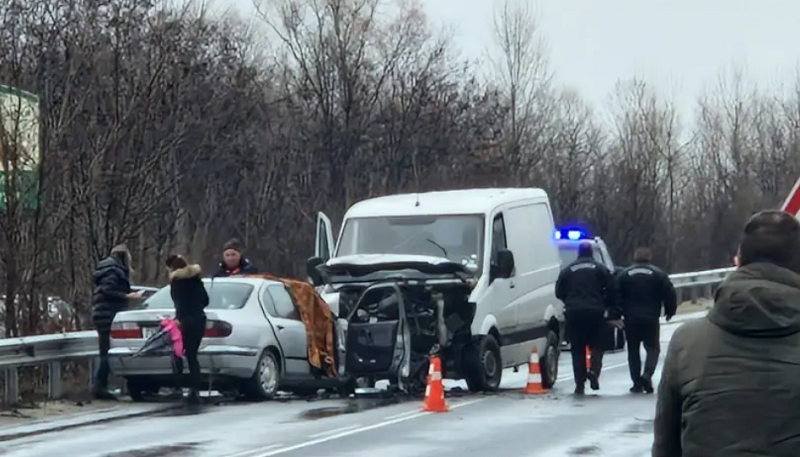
(504, 238)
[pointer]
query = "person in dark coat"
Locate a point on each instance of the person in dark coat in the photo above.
(643, 290)
(190, 298)
(587, 289)
(729, 386)
(112, 289)
(233, 263)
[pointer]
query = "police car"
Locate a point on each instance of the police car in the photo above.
(568, 240)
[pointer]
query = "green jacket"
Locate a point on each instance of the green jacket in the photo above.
(731, 382)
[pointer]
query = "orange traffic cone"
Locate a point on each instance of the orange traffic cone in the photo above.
(434, 392)
(588, 358)
(534, 386)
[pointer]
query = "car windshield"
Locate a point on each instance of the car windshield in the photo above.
(458, 238)
(221, 295)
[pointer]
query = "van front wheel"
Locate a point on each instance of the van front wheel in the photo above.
(483, 365)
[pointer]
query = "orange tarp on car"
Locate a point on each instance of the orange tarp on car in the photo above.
(318, 319)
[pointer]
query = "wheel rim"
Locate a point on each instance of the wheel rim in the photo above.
(268, 374)
(489, 364)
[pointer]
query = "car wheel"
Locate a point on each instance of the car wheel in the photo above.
(266, 379)
(483, 365)
(548, 363)
(138, 390)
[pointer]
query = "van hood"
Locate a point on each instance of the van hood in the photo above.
(366, 264)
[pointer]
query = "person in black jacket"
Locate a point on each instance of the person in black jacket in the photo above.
(587, 289)
(190, 298)
(233, 263)
(112, 289)
(643, 290)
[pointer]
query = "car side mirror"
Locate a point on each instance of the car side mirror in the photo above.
(505, 263)
(313, 273)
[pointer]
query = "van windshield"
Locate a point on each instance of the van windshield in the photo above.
(458, 238)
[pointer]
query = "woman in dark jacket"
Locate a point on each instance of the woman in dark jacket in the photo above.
(190, 298)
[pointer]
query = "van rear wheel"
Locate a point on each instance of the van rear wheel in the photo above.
(483, 365)
(548, 363)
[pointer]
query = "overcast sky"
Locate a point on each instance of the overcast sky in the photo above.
(679, 46)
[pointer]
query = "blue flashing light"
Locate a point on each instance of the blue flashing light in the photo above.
(571, 234)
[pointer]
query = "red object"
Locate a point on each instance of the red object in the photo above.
(792, 203)
(126, 331)
(534, 386)
(218, 329)
(434, 393)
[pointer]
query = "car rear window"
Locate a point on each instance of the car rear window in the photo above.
(221, 295)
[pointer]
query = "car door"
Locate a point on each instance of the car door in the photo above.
(323, 247)
(289, 329)
(499, 297)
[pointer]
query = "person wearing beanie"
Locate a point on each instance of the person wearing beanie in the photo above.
(112, 289)
(233, 263)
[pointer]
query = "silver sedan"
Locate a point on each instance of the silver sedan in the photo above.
(255, 342)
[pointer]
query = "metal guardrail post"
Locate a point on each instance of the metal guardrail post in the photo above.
(693, 292)
(54, 388)
(11, 394)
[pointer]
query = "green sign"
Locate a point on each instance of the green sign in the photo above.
(19, 145)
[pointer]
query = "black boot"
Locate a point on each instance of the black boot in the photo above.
(646, 382)
(637, 388)
(193, 398)
(594, 380)
(580, 389)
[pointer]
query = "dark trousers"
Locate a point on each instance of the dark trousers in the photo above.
(646, 332)
(192, 330)
(585, 328)
(103, 369)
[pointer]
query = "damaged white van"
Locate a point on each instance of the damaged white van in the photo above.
(468, 275)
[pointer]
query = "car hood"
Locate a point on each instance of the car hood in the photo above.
(366, 264)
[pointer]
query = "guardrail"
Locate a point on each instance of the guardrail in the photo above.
(55, 349)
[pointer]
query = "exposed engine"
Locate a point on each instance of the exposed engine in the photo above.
(394, 328)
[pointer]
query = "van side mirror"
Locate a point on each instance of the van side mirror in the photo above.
(313, 273)
(505, 263)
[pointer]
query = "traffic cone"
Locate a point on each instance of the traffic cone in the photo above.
(434, 392)
(588, 358)
(534, 386)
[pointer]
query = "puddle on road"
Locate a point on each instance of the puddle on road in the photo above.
(584, 450)
(355, 405)
(169, 450)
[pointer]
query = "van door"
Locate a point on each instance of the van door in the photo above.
(499, 296)
(530, 237)
(323, 247)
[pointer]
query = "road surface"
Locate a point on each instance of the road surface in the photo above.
(609, 423)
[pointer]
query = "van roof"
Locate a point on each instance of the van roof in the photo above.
(466, 201)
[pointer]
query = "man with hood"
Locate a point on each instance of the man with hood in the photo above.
(731, 381)
(233, 263)
(112, 289)
(587, 289)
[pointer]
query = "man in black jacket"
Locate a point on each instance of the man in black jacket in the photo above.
(643, 290)
(112, 289)
(233, 263)
(587, 289)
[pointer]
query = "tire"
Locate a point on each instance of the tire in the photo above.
(266, 378)
(483, 365)
(138, 390)
(549, 361)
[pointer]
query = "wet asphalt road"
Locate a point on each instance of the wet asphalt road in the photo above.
(610, 423)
